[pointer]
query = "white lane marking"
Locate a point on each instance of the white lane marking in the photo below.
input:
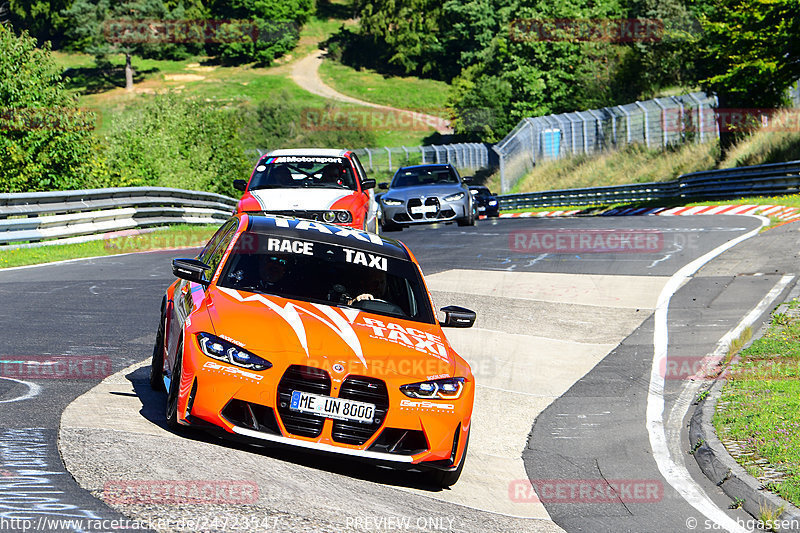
(532, 262)
(33, 391)
(676, 475)
(691, 388)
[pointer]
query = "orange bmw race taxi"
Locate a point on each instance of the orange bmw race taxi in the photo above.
(318, 336)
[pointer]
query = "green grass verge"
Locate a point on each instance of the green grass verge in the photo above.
(104, 93)
(422, 95)
(760, 404)
(180, 236)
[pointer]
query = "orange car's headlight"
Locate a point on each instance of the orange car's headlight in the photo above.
(228, 352)
(438, 389)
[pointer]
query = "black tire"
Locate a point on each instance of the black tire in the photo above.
(469, 220)
(391, 226)
(172, 395)
(157, 362)
(448, 478)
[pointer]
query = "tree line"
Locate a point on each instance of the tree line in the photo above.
(234, 31)
(522, 58)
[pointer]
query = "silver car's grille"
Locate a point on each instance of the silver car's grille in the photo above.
(419, 210)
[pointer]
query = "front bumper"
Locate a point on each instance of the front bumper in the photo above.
(418, 210)
(407, 433)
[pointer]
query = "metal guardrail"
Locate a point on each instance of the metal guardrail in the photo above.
(75, 216)
(758, 180)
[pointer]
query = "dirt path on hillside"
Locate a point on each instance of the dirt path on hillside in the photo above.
(305, 73)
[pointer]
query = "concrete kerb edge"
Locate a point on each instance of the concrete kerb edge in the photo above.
(721, 468)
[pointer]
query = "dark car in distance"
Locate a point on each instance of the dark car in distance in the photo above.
(486, 201)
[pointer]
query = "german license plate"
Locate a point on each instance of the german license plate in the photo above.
(423, 209)
(338, 408)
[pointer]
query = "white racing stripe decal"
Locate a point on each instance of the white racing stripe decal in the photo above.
(290, 314)
(288, 199)
(677, 475)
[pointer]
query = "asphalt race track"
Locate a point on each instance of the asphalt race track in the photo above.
(562, 351)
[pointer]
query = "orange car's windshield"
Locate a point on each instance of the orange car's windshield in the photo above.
(327, 273)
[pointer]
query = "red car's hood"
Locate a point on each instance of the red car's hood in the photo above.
(288, 199)
(321, 336)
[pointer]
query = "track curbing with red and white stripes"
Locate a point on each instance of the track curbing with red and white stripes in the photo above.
(780, 212)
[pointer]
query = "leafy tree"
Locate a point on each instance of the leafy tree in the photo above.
(105, 27)
(525, 72)
(409, 29)
(279, 123)
(271, 28)
(41, 18)
(749, 53)
(664, 61)
(171, 141)
(45, 141)
(467, 29)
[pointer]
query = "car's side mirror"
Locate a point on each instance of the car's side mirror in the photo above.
(466, 179)
(383, 186)
(240, 185)
(191, 270)
(457, 317)
(368, 184)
